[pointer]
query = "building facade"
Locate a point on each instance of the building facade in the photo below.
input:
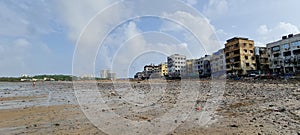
(191, 69)
(218, 63)
(176, 65)
(140, 75)
(163, 69)
(262, 63)
(151, 71)
(284, 55)
(239, 56)
(203, 66)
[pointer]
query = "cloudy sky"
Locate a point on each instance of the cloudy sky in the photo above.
(82, 37)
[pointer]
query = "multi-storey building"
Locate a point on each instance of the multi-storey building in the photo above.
(239, 54)
(284, 55)
(218, 63)
(203, 65)
(163, 69)
(261, 56)
(151, 70)
(176, 65)
(191, 71)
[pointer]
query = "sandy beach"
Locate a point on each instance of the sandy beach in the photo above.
(253, 107)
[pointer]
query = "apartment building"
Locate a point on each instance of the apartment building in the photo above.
(261, 56)
(176, 65)
(163, 69)
(191, 71)
(218, 63)
(151, 71)
(239, 56)
(203, 65)
(284, 54)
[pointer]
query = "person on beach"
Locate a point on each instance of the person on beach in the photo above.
(33, 83)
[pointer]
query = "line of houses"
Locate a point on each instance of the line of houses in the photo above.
(239, 57)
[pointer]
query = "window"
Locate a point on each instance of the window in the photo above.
(237, 52)
(288, 53)
(285, 46)
(276, 55)
(237, 65)
(236, 45)
(245, 44)
(296, 52)
(245, 50)
(275, 49)
(296, 44)
(247, 64)
(250, 45)
(246, 57)
(253, 58)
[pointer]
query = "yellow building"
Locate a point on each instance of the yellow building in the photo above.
(239, 54)
(163, 69)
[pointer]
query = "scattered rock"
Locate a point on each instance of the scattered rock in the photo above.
(233, 125)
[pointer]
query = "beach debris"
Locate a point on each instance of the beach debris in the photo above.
(198, 108)
(233, 125)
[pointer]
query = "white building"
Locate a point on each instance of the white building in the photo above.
(218, 63)
(284, 55)
(176, 65)
(108, 74)
(151, 71)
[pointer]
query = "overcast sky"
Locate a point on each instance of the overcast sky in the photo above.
(39, 36)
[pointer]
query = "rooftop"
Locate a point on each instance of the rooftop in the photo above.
(236, 38)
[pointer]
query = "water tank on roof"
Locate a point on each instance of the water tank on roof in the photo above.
(284, 37)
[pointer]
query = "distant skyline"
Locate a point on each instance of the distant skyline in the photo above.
(39, 37)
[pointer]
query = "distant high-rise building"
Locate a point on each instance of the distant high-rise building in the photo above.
(284, 55)
(103, 73)
(176, 65)
(239, 53)
(108, 74)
